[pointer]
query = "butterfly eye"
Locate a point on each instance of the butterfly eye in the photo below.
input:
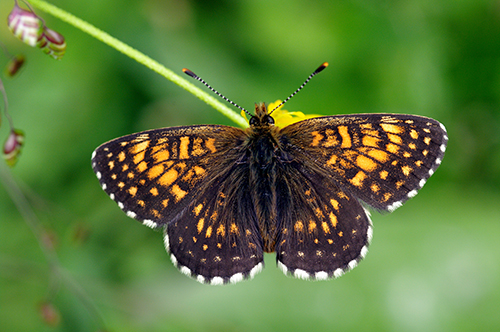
(269, 120)
(253, 121)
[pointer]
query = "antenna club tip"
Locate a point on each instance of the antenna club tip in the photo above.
(320, 68)
(188, 72)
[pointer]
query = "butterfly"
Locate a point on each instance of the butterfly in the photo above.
(223, 195)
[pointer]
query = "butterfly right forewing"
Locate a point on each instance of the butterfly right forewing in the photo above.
(381, 159)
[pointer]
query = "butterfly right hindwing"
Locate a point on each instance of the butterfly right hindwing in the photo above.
(323, 232)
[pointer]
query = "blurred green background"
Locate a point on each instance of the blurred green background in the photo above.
(434, 264)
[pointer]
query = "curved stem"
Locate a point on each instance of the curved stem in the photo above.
(139, 57)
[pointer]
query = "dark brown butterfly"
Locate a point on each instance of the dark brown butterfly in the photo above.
(225, 195)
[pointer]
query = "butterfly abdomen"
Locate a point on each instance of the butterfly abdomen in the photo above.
(262, 163)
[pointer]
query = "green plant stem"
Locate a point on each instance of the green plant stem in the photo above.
(139, 57)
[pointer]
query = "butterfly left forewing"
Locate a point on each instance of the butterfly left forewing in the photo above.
(154, 175)
(381, 159)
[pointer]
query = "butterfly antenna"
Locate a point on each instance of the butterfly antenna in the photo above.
(317, 71)
(196, 77)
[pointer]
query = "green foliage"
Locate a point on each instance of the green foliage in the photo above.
(433, 264)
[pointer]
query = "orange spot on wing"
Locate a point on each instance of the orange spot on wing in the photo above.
(346, 138)
(312, 226)
(200, 225)
(299, 226)
(370, 141)
(210, 144)
(208, 233)
(392, 148)
(317, 137)
(325, 227)
(406, 170)
(139, 157)
(139, 147)
(155, 171)
(132, 191)
(234, 229)
(184, 148)
(178, 192)
(334, 203)
(197, 209)
(199, 170)
(366, 163)
(333, 219)
(221, 230)
(392, 128)
(378, 155)
(168, 178)
(358, 179)
(395, 138)
(142, 166)
(343, 195)
(161, 156)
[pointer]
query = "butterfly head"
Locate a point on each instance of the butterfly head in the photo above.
(261, 119)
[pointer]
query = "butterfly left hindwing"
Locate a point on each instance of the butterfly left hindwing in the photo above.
(216, 240)
(187, 180)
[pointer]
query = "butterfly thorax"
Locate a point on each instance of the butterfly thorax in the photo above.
(262, 136)
(263, 154)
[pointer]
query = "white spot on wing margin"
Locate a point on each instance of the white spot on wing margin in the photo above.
(412, 193)
(217, 281)
(236, 278)
(394, 206)
(256, 269)
(301, 274)
(149, 223)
